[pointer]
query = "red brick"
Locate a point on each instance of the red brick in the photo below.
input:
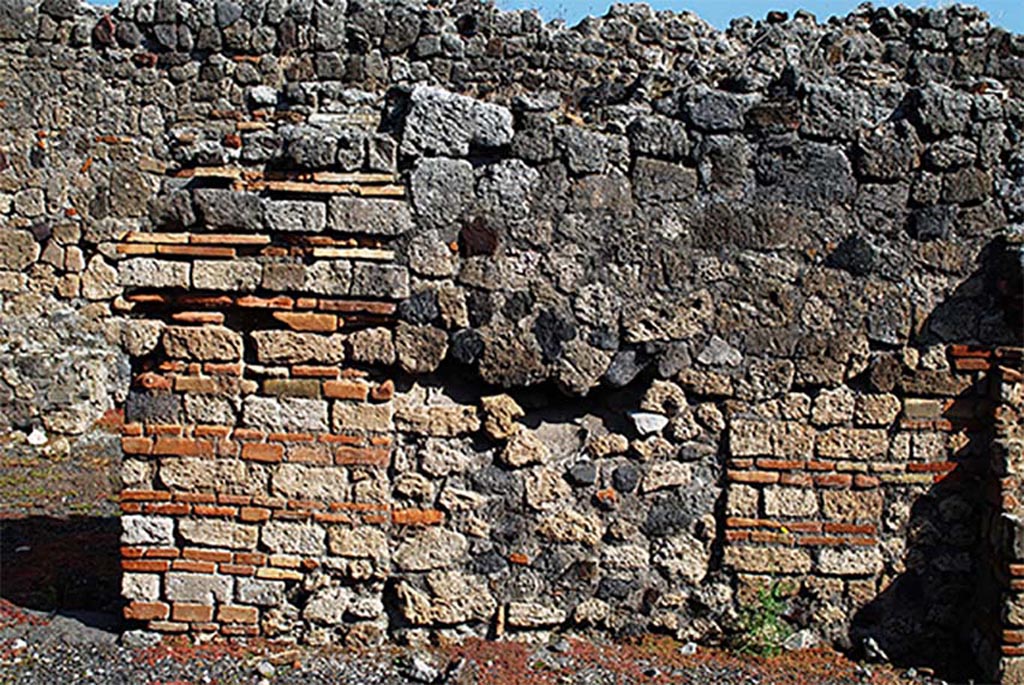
(198, 317)
(183, 447)
(362, 456)
(168, 508)
(237, 569)
(834, 480)
(145, 496)
(222, 369)
(519, 559)
(346, 390)
(417, 517)
(383, 392)
(752, 477)
(193, 566)
(237, 614)
(161, 553)
(309, 371)
(960, 350)
(237, 500)
(803, 480)
(131, 507)
(850, 528)
(263, 452)
(1012, 650)
(131, 429)
(145, 566)
(971, 364)
(206, 431)
(132, 552)
(136, 445)
(1015, 569)
(737, 535)
(780, 464)
(352, 306)
(865, 482)
(146, 611)
(324, 517)
(937, 467)
(191, 613)
(254, 302)
(239, 630)
(251, 558)
(210, 510)
(308, 455)
(291, 437)
(820, 466)
(153, 381)
(249, 514)
(741, 522)
(308, 321)
(172, 429)
(206, 554)
(196, 251)
(195, 497)
(803, 526)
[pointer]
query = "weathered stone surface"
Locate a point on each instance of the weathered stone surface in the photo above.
(100, 280)
(147, 530)
(571, 526)
(442, 189)
(372, 346)
(546, 489)
(226, 275)
(372, 217)
(214, 533)
(198, 588)
(853, 443)
(682, 557)
(768, 559)
(358, 543)
(311, 483)
(524, 449)
(229, 210)
(850, 562)
(420, 349)
(501, 414)
(143, 272)
(852, 506)
(379, 280)
(794, 502)
(442, 123)
(328, 277)
(215, 343)
(260, 592)
(666, 474)
(296, 215)
(289, 347)
(452, 598)
(193, 473)
(140, 586)
(432, 548)
(293, 537)
(358, 416)
(533, 615)
(328, 606)
(285, 414)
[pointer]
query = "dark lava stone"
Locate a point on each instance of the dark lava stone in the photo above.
(551, 330)
(932, 223)
(420, 308)
(583, 473)
(481, 308)
(616, 588)
(517, 305)
(625, 478)
(625, 366)
(466, 346)
(488, 562)
(855, 255)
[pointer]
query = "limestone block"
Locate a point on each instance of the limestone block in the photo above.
(850, 562)
(147, 530)
(260, 592)
(200, 588)
(294, 537)
(226, 275)
(285, 414)
(432, 548)
(140, 587)
(375, 217)
(790, 501)
(296, 215)
(853, 443)
(217, 533)
(533, 615)
(214, 343)
(768, 559)
(143, 272)
(666, 474)
(317, 483)
(851, 506)
(524, 449)
(571, 526)
(289, 347)
(361, 542)
(360, 416)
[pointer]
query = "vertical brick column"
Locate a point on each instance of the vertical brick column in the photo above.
(260, 423)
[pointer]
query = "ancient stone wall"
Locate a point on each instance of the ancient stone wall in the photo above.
(428, 320)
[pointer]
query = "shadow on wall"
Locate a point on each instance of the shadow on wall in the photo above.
(944, 593)
(63, 565)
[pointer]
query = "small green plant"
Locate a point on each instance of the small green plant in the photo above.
(763, 630)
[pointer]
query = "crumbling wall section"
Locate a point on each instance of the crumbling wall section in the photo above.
(443, 321)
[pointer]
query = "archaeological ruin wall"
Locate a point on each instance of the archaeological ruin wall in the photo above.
(422, 321)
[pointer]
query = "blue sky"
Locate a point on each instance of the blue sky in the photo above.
(1006, 13)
